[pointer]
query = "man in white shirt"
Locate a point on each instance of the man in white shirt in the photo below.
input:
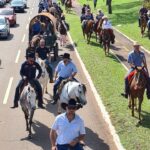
(68, 129)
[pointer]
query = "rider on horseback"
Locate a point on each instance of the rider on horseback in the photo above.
(136, 58)
(142, 12)
(28, 73)
(99, 16)
(43, 52)
(64, 70)
(86, 17)
(106, 25)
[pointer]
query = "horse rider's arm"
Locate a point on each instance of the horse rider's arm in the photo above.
(39, 69)
(73, 74)
(53, 136)
(132, 65)
(22, 72)
(77, 140)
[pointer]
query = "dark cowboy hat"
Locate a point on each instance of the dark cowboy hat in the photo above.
(72, 102)
(66, 55)
(30, 55)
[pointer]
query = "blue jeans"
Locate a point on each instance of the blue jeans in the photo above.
(49, 69)
(68, 147)
(56, 85)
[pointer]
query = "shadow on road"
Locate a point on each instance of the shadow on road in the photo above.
(41, 136)
(93, 141)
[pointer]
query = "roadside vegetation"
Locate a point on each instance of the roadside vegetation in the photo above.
(108, 74)
(124, 17)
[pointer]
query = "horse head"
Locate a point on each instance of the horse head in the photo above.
(140, 79)
(80, 94)
(106, 35)
(31, 96)
(42, 64)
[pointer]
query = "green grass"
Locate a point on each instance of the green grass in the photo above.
(107, 74)
(125, 13)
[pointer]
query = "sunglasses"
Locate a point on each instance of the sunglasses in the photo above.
(72, 107)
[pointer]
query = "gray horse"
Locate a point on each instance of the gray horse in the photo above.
(28, 104)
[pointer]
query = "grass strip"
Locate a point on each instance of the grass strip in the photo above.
(107, 74)
(124, 17)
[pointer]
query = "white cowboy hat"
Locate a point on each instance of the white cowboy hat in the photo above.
(135, 43)
(104, 17)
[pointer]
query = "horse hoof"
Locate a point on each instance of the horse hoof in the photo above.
(46, 92)
(129, 106)
(140, 122)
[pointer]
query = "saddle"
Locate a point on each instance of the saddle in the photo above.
(63, 82)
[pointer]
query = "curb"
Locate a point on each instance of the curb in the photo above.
(98, 98)
(130, 39)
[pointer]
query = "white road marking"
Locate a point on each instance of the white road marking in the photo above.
(8, 91)
(27, 26)
(17, 57)
(98, 98)
(32, 8)
(23, 38)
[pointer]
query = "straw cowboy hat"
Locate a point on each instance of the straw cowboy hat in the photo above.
(104, 17)
(136, 43)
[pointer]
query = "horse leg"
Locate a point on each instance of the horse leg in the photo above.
(96, 35)
(139, 109)
(30, 123)
(132, 100)
(26, 114)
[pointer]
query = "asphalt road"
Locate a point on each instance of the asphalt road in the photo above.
(12, 123)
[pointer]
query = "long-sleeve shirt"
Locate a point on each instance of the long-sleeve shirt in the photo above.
(29, 70)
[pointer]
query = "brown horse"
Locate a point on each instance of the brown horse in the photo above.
(143, 23)
(106, 38)
(88, 29)
(98, 28)
(68, 5)
(137, 88)
(36, 40)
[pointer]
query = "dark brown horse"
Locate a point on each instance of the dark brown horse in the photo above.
(143, 23)
(98, 28)
(68, 5)
(137, 88)
(106, 38)
(88, 29)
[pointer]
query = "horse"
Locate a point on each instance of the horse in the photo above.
(106, 38)
(36, 40)
(28, 104)
(44, 77)
(68, 5)
(88, 30)
(143, 24)
(98, 27)
(137, 88)
(72, 89)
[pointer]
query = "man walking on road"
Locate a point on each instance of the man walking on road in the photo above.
(67, 130)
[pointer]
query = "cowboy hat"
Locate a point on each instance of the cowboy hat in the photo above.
(136, 43)
(66, 55)
(104, 17)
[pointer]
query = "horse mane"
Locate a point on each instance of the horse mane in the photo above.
(84, 88)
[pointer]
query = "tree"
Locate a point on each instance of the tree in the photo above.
(108, 3)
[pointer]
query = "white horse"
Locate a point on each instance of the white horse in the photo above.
(28, 104)
(44, 77)
(72, 90)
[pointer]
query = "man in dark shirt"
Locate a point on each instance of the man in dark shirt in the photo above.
(28, 72)
(43, 52)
